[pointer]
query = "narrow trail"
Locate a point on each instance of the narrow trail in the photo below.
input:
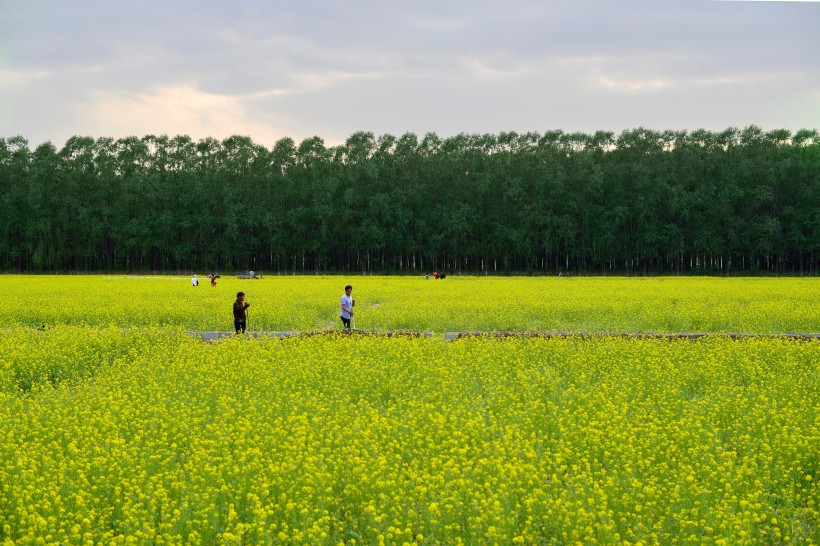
(451, 336)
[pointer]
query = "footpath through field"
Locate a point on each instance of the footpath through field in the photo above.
(450, 336)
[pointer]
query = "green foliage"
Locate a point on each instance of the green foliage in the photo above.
(640, 202)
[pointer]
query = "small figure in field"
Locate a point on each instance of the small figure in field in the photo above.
(346, 307)
(194, 280)
(213, 279)
(435, 275)
(240, 312)
(427, 277)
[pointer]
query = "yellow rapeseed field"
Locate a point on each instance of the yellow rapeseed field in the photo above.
(152, 437)
(617, 304)
(119, 427)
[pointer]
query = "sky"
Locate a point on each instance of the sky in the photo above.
(271, 69)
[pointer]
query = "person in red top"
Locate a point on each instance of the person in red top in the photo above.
(240, 313)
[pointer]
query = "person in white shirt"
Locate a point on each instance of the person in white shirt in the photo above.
(346, 308)
(194, 281)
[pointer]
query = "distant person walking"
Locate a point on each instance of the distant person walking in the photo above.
(240, 312)
(346, 307)
(194, 280)
(213, 279)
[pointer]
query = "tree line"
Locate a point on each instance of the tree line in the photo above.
(740, 201)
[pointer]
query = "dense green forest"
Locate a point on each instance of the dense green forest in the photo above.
(740, 201)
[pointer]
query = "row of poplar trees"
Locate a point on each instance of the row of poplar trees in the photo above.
(740, 201)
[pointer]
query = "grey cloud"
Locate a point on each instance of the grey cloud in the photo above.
(330, 68)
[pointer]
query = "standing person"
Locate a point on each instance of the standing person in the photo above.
(194, 281)
(346, 307)
(213, 279)
(240, 314)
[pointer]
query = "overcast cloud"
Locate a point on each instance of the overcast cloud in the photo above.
(270, 69)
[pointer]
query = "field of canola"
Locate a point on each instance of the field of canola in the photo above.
(123, 430)
(616, 304)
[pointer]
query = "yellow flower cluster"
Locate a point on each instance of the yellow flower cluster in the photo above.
(114, 436)
(661, 304)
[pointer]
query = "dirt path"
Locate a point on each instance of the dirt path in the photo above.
(450, 336)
